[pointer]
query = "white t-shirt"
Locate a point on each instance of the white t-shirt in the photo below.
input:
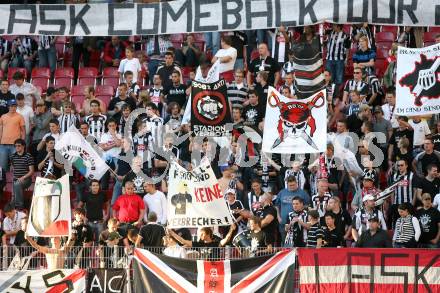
(132, 65)
(228, 66)
(56, 136)
(421, 129)
(175, 251)
(13, 224)
(28, 115)
(388, 114)
(436, 202)
(157, 203)
(113, 152)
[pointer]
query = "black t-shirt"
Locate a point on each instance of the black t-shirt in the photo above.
(54, 170)
(354, 124)
(152, 235)
(342, 220)
(184, 233)
(179, 201)
(398, 134)
(208, 250)
(268, 64)
(431, 187)
(253, 115)
(83, 234)
(429, 220)
(165, 75)
(4, 98)
(258, 239)
(271, 230)
(176, 94)
(239, 40)
(436, 140)
(94, 205)
(333, 238)
(123, 167)
(262, 95)
(117, 102)
(427, 159)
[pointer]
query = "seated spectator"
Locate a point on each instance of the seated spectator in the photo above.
(315, 235)
(152, 233)
(24, 53)
(172, 248)
(332, 236)
(190, 52)
(23, 169)
(116, 103)
(96, 207)
(63, 95)
(365, 57)
(296, 224)
(166, 70)
(54, 131)
(129, 63)
(429, 219)
(407, 232)
(89, 94)
(129, 208)
(11, 224)
(5, 97)
(29, 91)
(374, 236)
(114, 52)
(47, 164)
(360, 219)
(227, 56)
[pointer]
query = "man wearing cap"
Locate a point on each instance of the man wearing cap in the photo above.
(368, 188)
(375, 236)
(27, 89)
(12, 127)
(360, 220)
(235, 206)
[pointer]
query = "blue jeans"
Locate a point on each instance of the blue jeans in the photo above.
(48, 58)
(153, 64)
(336, 69)
(97, 228)
(239, 64)
(6, 150)
(212, 41)
(81, 189)
(18, 189)
(18, 61)
(117, 191)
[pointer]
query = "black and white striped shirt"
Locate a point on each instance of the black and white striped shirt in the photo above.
(27, 47)
(44, 42)
(155, 124)
(374, 85)
(405, 229)
(320, 203)
(237, 95)
(142, 148)
(299, 175)
(67, 120)
(5, 47)
(337, 44)
(96, 125)
(404, 191)
(360, 86)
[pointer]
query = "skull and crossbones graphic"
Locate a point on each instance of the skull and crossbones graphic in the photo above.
(295, 117)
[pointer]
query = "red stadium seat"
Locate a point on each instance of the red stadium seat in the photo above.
(64, 77)
(381, 66)
(87, 76)
(384, 45)
(347, 29)
(390, 28)
(78, 100)
(78, 90)
(105, 98)
(110, 76)
(2, 74)
(434, 29)
(199, 40)
(385, 37)
(41, 82)
(40, 77)
(429, 38)
(12, 70)
(382, 53)
(60, 47)
(40, 72)
(104, 90)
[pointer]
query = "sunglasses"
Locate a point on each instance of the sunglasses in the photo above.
(357, 72)
(400, 165)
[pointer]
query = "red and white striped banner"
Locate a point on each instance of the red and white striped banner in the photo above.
(369, 270)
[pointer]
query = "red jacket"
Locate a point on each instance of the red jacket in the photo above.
(109, 52)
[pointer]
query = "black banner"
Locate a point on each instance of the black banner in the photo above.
(209, 109)
(107, 281)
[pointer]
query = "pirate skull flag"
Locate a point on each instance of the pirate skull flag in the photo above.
(417, 81)
(301, 125)
(209, 108)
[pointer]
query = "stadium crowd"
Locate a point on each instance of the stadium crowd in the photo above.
(306, 203)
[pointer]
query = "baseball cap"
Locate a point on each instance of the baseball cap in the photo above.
(369, 175)
(12, 102)
(368, 197)
(230, 190)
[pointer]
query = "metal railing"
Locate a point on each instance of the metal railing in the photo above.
(15, 258)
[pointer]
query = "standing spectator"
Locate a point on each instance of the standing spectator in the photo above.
(364, 30)
(173, 249)
(156, 48)
(375, 236)
(253, 112)
(129, 63)
(29, 91)
(428, 184)
(190, 52)
(375, 92)
(41, 125)
(337, 44)
(96, 208)
(111, 244)
(156, 92)
(227, 56)
(407, 38)
(320, 200)
(176, 91)
(407, 232)
(89, 95)
(96, 120)
(136, 175)
(114, 52)
(429, 219)
(54, 131)
(342, 217)
(115, 106)
(427, 157)
(360, 220)
(239, 42)
(252, 200)
(264, 63)
(47, 53)
(47, 164)
(280, 44)
(404, 130)
(28, 115)
(269, 220)
(129, 208)
(5, 54)
(132, 86)
(5, 97)
(24, 53)
(12, 127)
(212, 42)
(111, 142)
(315, 235)
(355, 84)
(435, 136)
(152, 233)
(421, 131)
(82, 47)
(388, 107)
(365, 57)
(332, 235)
(296, 226)
(62, 96)
(23, 168)
(82, 236)
(156, 202)
(166, 70)
(11, 223)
